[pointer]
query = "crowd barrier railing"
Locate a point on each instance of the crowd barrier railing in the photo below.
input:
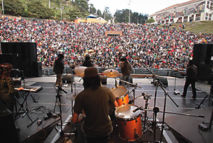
(161, 72)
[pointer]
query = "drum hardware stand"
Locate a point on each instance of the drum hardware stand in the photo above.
(146, 127)
(73, 98)
(133, 90)
(116, 83)
(131, 101)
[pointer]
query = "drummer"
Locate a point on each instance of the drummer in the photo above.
(97, 102)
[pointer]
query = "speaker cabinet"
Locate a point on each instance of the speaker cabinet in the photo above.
(24, 56)
(203, 58)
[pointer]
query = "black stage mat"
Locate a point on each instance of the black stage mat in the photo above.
(187, 127)
(47, 96)
(32, 112)
(114, 138)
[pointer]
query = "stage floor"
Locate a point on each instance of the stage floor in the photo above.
(176, 121)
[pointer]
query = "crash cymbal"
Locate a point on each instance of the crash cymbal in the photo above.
(111, 73)
(79, 70)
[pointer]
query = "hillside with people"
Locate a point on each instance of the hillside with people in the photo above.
(143, 45)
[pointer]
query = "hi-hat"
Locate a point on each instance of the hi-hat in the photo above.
(111, 73)
(79, 70)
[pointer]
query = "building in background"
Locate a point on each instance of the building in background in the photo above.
(193, 10)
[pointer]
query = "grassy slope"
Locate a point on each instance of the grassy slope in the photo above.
(203, 27)
(198, 27)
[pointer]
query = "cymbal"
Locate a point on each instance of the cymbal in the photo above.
(111, 73)
(79, 70)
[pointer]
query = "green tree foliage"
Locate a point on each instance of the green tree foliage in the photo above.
(151, 20)
(36, 9)
(14, 7)
(107, 15)
(66, 9)
(74, 13)
(82, 5)
(99, 13)
(123, 16)
(92, 9)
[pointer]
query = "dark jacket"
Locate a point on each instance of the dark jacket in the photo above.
(191, 72)
(87, 63)
(58, 67)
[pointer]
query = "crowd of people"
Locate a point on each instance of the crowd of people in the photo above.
(143, 45)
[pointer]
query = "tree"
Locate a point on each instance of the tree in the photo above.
(14, 7)
(151, 20)
(82, 4)
(74, 13)
(36, 9)
(106, 14)
(92, 9)
(99, 13)
(134, 17)
(122, 16)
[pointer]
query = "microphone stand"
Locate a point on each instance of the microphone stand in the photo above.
(133, 90)
(164, 107)
(58, 98)
(155, 111)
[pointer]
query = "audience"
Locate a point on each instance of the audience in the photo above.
(143, 45)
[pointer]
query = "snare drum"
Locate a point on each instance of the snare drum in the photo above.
(129, 122)
(121, 95)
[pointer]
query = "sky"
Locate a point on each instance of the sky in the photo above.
(141, 6)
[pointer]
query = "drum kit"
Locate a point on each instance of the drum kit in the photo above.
(128, 116)
(128, 121)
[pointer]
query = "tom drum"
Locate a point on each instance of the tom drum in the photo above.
(129, 122)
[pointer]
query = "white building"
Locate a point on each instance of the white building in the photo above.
(193, 10)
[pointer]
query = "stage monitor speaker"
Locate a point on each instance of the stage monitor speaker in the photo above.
(24, 56)
(203, 58)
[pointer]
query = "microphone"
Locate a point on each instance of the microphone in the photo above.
(139, 108)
